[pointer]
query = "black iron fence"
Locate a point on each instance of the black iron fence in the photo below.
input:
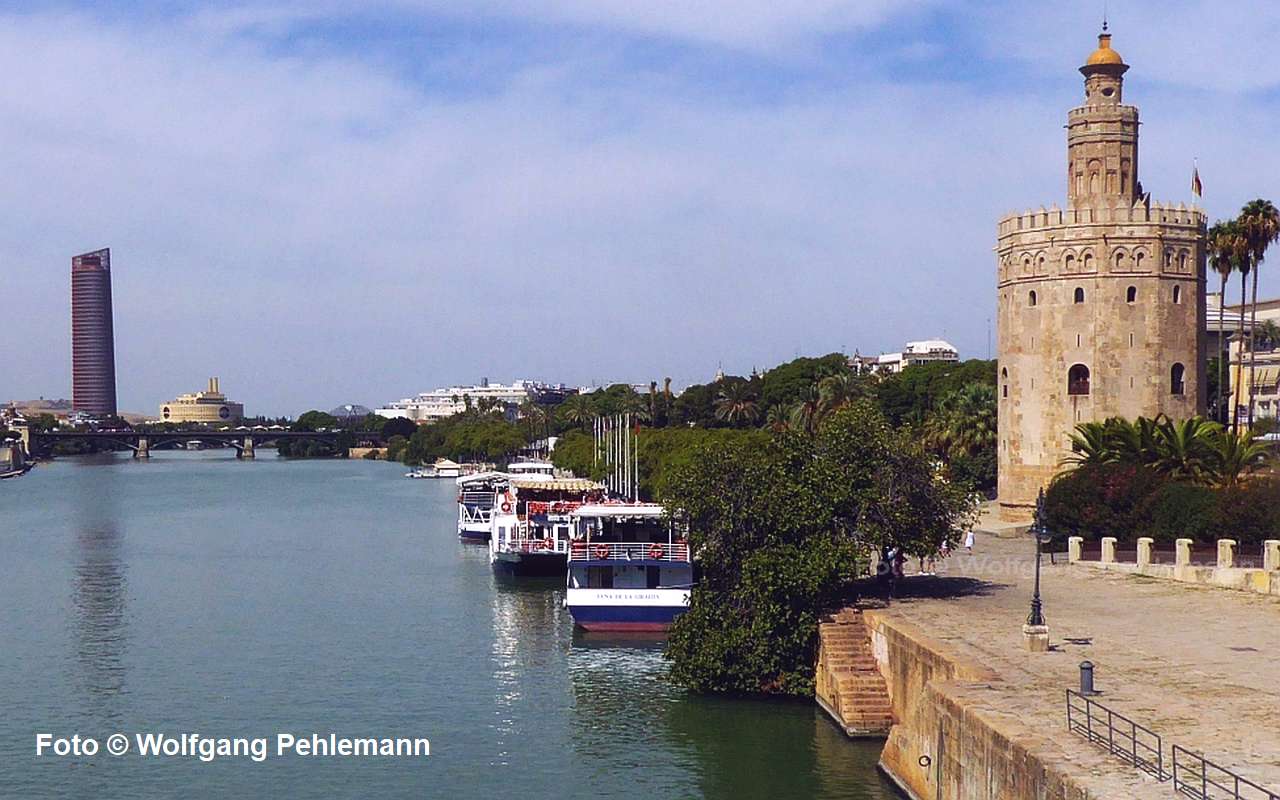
(1198, 777)
(1193, 775)
(1121, 736)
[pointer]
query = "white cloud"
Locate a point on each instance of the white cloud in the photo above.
(317, 229)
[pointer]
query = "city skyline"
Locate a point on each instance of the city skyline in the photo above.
(325, 206)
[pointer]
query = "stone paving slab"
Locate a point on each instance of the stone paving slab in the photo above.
(1198, 665)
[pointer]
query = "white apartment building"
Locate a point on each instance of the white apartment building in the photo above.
(922, 352)
(438, 404)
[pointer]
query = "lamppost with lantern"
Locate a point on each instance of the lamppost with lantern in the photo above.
(1036, 631)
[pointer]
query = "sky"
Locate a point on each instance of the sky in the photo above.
(332, 202)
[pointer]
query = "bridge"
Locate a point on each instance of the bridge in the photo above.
(41, 443)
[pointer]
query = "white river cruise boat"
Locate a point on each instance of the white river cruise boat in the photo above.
(533, 523)
(628, 570)
(477, 495)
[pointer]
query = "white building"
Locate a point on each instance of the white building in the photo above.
(923, 352)
(438, 404)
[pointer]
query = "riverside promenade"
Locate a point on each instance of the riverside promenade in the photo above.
(1197, 665)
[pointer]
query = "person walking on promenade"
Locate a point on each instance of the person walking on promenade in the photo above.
(968, 541)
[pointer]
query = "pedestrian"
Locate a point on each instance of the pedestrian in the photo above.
(968, 541)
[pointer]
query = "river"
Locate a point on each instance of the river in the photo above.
(194, 593)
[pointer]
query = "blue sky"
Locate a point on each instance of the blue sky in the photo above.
(353, 202)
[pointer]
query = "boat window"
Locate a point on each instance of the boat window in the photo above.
(599, 577)
(653, 577)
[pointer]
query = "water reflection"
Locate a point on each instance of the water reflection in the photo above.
(528, 618)
(98, 596)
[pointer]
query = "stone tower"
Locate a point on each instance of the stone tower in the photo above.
(1100, 306)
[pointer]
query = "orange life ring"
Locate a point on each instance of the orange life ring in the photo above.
(602, 551)
(506, 507)
(655, 551)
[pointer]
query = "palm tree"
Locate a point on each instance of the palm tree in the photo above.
(1259, 223)
(837, 391)
(807, 411)
(1186, 449)
(577, 410)
(1237, 455)
(964, 422)
(777, 418)
(1090, 444)
(1222, 249)
(737, 403)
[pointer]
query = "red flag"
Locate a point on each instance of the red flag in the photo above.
(1196, 188)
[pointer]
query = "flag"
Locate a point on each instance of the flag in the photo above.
(1196, 188)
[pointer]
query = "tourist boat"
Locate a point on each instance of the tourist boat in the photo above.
(532, 526)
(544, 468)
(477, 495)
(628, 570)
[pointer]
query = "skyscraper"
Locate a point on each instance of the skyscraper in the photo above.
(93, 355)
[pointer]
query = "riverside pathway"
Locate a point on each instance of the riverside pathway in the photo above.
(1198, 665)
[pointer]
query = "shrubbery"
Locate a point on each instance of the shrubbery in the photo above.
(1128, 501)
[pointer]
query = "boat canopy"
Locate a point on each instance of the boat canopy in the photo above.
(482, 477)
(620, 510)
(547, 483)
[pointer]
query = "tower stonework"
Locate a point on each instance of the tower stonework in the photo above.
(1100, 307)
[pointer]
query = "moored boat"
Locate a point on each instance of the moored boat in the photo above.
(477, 495)
(533, 523)
(627, 568)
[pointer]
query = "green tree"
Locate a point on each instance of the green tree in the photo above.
(1223, 249)
(399, 426)
(780, 529)
(577, 411)
(315, 420)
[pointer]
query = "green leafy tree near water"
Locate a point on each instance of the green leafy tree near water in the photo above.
(780, 528)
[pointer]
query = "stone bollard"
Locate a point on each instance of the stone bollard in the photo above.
(1271, 555)
(1184, 552)
(1036, 638)
(1144, 551)
(1226, 553)
(1108, 549)
(1075, 546)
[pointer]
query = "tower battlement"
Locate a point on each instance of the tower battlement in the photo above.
(1166, 213)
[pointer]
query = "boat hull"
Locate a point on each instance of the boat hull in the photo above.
(468, 533)
(529, 565)
(622, 610)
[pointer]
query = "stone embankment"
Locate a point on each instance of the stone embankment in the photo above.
(975, 716)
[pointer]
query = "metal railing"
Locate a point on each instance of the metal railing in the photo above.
(1196, 776)
(1121, 736)
(629, 551)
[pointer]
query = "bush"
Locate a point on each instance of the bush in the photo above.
(1098, 500)
(1182, 510)
(1248, 513)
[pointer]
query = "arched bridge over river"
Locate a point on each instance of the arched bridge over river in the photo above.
(41, 443)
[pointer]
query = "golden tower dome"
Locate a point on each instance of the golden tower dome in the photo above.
(1104, 54)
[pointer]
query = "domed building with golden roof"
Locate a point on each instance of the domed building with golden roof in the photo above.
(1100, 306)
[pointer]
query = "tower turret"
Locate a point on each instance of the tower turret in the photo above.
(1102, 135)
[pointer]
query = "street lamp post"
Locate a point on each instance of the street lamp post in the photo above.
(1036, 631)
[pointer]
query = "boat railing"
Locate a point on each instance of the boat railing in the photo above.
(536, 546)
(629, 551)
(476, 498)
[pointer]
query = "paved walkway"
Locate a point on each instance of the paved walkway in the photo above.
(1198, 665)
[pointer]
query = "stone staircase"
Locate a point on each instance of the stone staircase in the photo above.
(849, 685)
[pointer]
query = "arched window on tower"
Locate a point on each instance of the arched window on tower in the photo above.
(1177, 294)
(1078, 380)
(1177, 380)
(1137, 259)
(1131, 294)
(1031, 298)
(1079, 295)
(1004, 381)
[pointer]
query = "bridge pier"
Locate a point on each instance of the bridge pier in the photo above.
(246, 451)
(144, 448)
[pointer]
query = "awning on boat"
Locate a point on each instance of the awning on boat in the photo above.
(620, 510)
(544, 483)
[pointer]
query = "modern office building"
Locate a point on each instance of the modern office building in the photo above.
(209, 406)
(93, 359)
